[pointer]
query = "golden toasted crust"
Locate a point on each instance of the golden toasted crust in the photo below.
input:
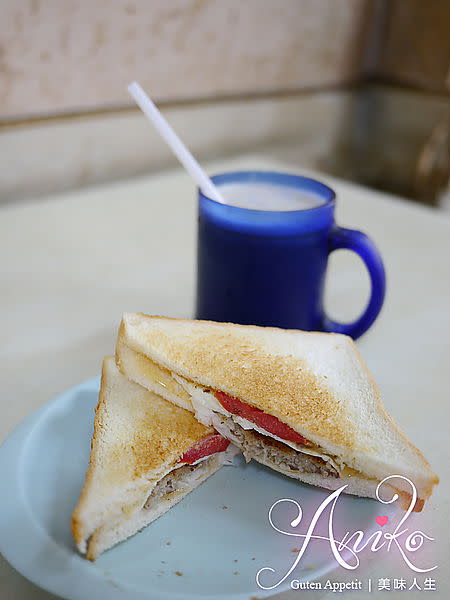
(317, 383)
(137, 435)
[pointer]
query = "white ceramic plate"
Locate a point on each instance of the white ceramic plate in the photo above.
(216, 539)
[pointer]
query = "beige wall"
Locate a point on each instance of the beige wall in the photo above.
(71, 56)
(77, 55)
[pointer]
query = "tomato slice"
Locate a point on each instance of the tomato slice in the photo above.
(257, 416)
(209, 445)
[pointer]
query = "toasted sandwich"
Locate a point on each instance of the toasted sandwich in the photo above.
(146, 455)
(302, 403)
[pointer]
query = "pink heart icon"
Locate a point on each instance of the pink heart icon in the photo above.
(382, 520)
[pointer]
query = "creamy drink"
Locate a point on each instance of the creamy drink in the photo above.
(264, 196)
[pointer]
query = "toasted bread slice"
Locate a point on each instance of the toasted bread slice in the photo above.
(316, 383)
(138, 441)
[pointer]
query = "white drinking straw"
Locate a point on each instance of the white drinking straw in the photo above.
(179, 149)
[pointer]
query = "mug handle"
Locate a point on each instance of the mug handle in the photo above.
(360, 243)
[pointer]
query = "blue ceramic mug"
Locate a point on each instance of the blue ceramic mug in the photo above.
(267, 267)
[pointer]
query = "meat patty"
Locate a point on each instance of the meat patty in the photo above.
(258, 446)
(171, 482)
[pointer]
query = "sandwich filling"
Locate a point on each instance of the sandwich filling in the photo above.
(179, 481)
(211, 444)
(257, 416)
(259, 435)
(192, 468)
